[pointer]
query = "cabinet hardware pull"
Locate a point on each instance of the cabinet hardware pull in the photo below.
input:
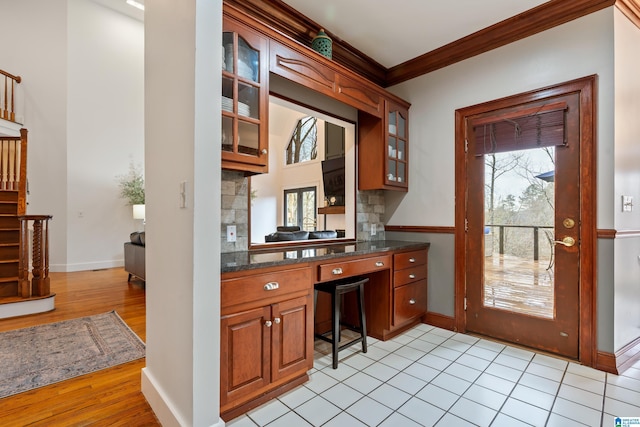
(379, 264)
(412, 301)
(412, 260)
(412, 276)
(268, 323)
(264, 151)
(276, 320)
(271, 286)
(336, 271)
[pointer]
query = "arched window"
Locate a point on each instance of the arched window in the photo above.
(303, 143)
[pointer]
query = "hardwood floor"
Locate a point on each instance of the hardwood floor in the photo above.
(110, 397)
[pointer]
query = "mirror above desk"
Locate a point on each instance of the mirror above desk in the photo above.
(309, 192)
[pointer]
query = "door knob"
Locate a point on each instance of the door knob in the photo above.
(567, 241)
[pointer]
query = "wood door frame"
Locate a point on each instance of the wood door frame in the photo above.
(586, 88)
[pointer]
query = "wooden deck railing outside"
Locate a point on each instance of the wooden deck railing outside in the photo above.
(7, 96)
(536, 236)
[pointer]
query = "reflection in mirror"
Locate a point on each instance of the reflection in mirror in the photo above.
(309, 192)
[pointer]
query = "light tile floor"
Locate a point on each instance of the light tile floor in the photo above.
(434, 377)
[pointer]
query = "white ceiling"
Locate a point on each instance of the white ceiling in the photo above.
(394, 31)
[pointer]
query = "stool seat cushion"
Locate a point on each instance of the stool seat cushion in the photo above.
(341, 284)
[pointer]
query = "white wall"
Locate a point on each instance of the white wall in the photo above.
(82, 70)
(627, 181)
(35, 48)
(183, 43)
(105, 131)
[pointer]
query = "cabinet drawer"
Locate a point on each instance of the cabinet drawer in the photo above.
(338, 270)
(258, 287)
(409, 259)
(410, 301)
(408, 275)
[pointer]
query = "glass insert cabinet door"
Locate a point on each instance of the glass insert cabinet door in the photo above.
(244, 96)
(397, 171)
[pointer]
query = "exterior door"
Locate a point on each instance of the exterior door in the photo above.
(523, 258)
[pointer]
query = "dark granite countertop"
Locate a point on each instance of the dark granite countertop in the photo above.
(248, 260)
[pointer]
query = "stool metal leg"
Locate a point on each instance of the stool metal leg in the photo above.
(335, 317)
(363, 322)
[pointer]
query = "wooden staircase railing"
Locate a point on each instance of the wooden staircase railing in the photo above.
(7, 96)
(38, 286)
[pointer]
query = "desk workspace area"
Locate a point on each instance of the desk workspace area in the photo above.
(268, 318)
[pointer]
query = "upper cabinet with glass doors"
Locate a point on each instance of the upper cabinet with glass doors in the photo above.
(244, 98)
(397, 172)
(384, 149)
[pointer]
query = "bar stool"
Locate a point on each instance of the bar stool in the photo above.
(337, 289)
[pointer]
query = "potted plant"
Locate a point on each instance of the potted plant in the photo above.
(132, 189)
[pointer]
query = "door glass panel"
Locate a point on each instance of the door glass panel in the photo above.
(227, 51)
(227, 94)
(392, 147)
(227, 133)
(401, 172)
(248, 138)
(248, 61)
(309, 210)
(401, 125)
(400, 153)
(519, 229)
(248, 104)
(391, 173)
(291, 200)
(392, 123)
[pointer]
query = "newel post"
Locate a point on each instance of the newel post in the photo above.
(40, 282)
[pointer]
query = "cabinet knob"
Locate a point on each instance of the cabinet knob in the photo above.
(268, 323)
(276, 320)
(412, 260)
(412, 301)
(379, 264)
(271, 286)
(264, 151)
(412, 276)
(336, 271)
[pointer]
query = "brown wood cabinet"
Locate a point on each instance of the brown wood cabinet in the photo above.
(266, 335)
(410, 287)
(245, 103)
(384, 148)
(253, 50)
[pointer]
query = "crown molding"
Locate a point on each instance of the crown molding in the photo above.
(631, 9)
(291, 23)
(533, 21)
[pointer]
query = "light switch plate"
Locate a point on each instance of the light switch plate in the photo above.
(627, 203)
(231, 233)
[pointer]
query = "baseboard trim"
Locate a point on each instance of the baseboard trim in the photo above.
(622, 360)
(439, 320)
(161, 404)
(85, 266)
(628, 355)
(606, 362)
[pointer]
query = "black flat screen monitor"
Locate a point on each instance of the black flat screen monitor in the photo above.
(333, 179)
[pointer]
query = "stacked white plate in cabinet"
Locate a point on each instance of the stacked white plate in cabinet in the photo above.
(244, 109)
(227, 104)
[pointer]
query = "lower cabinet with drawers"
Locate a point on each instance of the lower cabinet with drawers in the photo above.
(268, 317)
(266, 339)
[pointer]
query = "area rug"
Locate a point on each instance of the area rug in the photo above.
(45, 354)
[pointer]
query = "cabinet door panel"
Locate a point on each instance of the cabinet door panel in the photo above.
(292, 65)
(245, 347)
(357, 95)
(292, 342)
(410, 301)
